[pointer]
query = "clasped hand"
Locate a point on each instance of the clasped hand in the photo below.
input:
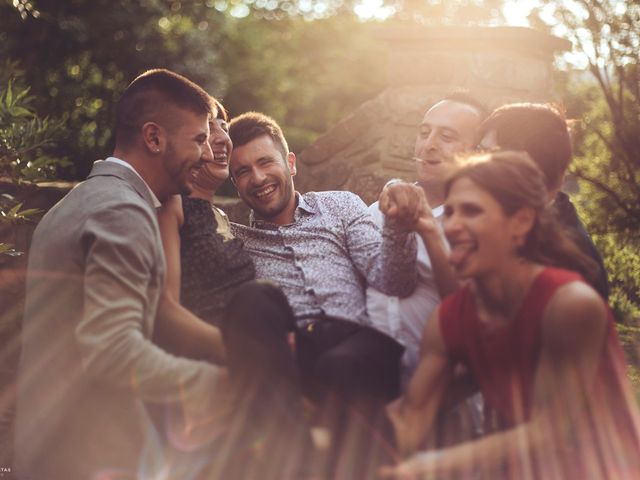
(406, 205)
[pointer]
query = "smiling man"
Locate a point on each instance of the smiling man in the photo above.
(448, 128)
(96, 270)
(322, 249)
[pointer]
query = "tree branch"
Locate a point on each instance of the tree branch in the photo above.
(606, 189)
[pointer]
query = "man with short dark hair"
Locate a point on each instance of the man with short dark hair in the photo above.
(541, 130)
(322, 249)
(448, 128)
(96, 270)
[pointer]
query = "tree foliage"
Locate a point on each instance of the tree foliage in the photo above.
(607, 160)
(25, 143)
(255, 54)
(26, 139)
(79, 55)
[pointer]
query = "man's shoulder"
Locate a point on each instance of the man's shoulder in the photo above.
(335, 200)
(243, 232)
(100, 201)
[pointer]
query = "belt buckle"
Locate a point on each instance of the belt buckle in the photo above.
(308, 324)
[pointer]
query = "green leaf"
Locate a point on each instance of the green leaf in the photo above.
(14, 211)
(7, 249)
(8, 99)
(21, 112)
(29, 212)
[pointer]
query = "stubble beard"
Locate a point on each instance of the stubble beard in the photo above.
(268, 214)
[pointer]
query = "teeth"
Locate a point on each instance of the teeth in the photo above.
(265, 191)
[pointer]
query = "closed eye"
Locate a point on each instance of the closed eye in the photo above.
(240, 172)
(425, 131)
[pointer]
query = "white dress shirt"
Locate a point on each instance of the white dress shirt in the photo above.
(404, 318)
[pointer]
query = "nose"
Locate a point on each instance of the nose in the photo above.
(207, 153)
(450, 224)
(431, 142)
(219, 136)
(426, 144)
(258, 176)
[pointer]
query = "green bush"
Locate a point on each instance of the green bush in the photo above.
(25, 139)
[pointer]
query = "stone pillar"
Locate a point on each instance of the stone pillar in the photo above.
(496, 64)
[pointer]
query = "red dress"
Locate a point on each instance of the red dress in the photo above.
(504, 362)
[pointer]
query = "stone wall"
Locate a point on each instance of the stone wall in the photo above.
(496, 64)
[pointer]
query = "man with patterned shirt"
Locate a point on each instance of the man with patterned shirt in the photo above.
(322, 249)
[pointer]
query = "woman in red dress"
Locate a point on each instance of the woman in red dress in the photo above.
(539, 341)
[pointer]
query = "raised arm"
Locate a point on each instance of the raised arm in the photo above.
(178, 330)
(405, 206)
(413, 415)
(573, 335)
(387, 261)
(431, 233)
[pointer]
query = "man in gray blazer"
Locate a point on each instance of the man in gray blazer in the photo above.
(96, 270)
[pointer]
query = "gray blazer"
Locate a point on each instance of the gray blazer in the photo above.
(96, 270)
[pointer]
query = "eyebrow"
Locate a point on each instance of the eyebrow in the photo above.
(436, 127)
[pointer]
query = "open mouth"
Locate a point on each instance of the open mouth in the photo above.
(264, 192)
(460, 252)
(221, 158)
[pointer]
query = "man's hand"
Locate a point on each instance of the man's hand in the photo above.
(402, 203)
(406, 204)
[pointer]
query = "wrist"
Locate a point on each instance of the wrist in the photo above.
(428, 228)
(393, 181)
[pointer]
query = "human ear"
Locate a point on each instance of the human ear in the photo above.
(291, 162)
(153, 137)
(521, 224)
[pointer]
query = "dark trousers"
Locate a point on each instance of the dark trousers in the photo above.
(271, 438)
(353, 368)
(355, 362)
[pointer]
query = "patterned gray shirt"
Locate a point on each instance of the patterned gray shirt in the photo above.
(325, 259)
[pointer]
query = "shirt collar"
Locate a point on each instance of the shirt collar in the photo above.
(438, 211)
(119, 161)
(302, 204)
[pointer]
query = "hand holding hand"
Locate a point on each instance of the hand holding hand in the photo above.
(402, 202)
(407, 204)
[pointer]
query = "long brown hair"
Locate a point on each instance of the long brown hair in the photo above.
(515, 181)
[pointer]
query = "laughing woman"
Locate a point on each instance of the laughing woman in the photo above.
(538, 339)
(205, 264)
